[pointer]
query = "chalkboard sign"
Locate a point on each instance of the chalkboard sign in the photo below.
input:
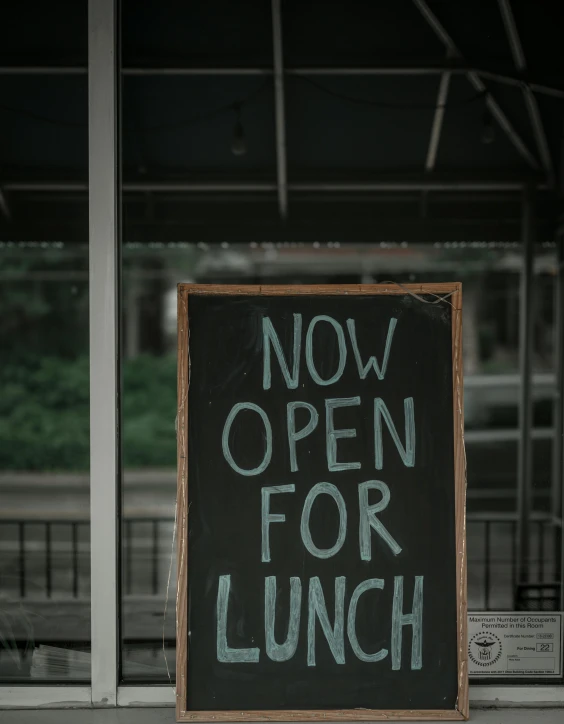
(321, 487)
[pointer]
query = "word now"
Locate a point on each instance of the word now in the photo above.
(332, 434)
(270, 339)
(317, 611)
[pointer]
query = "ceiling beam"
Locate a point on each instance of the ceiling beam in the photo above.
(478, 84)
(279, 113)
(455, 68)
(442, 182)
(530, 101)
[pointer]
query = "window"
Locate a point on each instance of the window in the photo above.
(235, 165)
(44, 373)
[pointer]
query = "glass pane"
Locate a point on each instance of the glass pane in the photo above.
(491, 311)
(44, 377)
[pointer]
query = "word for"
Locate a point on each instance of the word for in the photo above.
(332, 434)
(317, 611)
(367, 519)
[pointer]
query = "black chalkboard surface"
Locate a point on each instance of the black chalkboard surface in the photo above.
(321, 569)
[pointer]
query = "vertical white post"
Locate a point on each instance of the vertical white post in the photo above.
(104, 457)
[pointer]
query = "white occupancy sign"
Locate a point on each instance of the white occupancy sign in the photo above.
(507, 645)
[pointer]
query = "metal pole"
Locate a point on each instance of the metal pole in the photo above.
(456, 68)
(526, 320)
(439, 182)
(478, 84)
(557, 498)
(437, 126)
(104, 388)
(279, 117)
(528, 95)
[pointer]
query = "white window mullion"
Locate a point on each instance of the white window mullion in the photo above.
(103, 227)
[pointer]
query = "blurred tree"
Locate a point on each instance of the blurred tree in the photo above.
(44, 305)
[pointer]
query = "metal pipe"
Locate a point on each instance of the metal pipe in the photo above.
(530, 100)
(512, 34)
(526, 321)
(518, 82)
(557, 497)
(279, 113)
(21, 556)
(43, 70)
(478, 84)
(219, 187)
(437, 126)
(155, 557)
(458, 69)
(179, 71)
(74, 546)
(423, 184)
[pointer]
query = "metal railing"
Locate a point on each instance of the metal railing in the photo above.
(28, 560)
(493, 581)
(50, 559)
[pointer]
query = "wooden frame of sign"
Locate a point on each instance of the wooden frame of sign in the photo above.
(448, 291)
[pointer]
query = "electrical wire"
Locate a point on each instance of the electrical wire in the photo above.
(202, 117)
(184, 123)
(244, 101)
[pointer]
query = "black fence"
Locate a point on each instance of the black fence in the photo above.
(493, 566)
(51, 559)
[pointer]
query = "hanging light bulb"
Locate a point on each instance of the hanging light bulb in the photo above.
(238, 142)
(488, 130)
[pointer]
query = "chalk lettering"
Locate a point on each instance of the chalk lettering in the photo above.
(369, 520)
(285, 651)
(401, 619)
(407, 453)
(295, 435)
(269, 337)
(351, 621)
(331, 490)
(309, 350)
(267, 517)
(225, 654)
(372, 361)
(317, 608)
(333, 435)
(225, 439)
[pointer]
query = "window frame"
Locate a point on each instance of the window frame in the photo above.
(104, 283)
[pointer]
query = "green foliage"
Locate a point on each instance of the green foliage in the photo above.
(149, 411)
(44, 414)
(44, 303)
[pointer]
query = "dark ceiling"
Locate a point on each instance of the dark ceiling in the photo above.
(362, 85)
